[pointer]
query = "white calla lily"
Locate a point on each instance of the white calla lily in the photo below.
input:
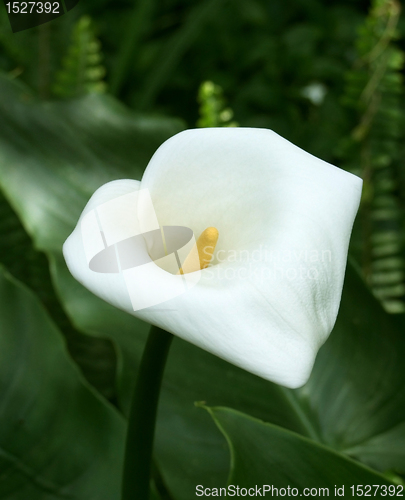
(271, 296)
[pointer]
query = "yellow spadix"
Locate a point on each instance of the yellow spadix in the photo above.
(206, 244)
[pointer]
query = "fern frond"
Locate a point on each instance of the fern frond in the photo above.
(374, 89)
(213, 112)
(82, 71)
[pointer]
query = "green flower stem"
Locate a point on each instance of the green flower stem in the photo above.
(142, 417)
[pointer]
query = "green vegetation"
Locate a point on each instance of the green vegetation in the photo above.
(88, 98)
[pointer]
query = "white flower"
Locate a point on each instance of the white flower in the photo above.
(271, 296)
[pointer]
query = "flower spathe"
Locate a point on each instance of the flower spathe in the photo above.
(271, 296)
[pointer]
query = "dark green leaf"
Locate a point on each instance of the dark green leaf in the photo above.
(355, 393)
(264, 454)
(93, 316)
(95, 356)
(53, 156)
(58, 439)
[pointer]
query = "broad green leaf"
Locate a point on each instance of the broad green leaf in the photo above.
(93, 316)
(356, 391)
(265, 454)
(53, 156)
(96, 357)
(58, 439)
(188, 448)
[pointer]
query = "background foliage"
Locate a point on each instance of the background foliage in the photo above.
(88, 98)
